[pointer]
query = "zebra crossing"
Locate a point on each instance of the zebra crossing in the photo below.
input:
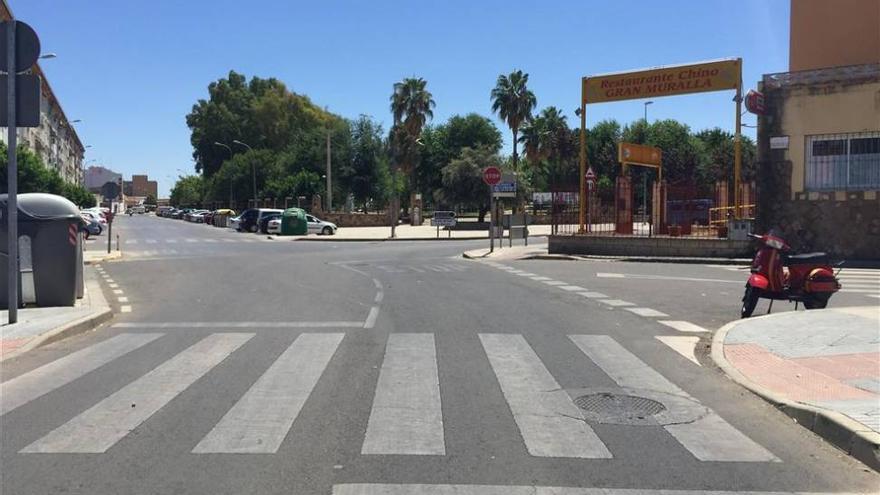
(192, 240)
(407, 411)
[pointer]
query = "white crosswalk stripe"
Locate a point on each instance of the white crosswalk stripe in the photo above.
(406, 417)
(548, 420)
(425, 489)
(698, 429)
(33, 384)
(259, 421)
(100, 427)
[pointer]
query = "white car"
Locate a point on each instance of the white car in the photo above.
(96, 216)
(315, 226)
(318, 226)
(198, 216)
(233, 222)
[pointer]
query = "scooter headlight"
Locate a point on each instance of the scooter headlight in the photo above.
(775, 243)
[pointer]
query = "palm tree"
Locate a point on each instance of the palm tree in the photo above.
(548, 139)
(513, 102)
(411, 105)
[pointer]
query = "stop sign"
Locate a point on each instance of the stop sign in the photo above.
(491, 175)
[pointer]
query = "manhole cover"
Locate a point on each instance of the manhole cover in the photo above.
(619, 409)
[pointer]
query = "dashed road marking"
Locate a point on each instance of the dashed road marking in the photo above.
(117, 291)
(685, 345)
(125, 309)
(647, 312)
(615, 302)
(593, 295)
(683, 326)
(572, 288)
(123, 299)
(554, 282)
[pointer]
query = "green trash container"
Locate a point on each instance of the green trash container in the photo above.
(293, 222)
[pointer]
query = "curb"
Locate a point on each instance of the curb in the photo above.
(836, 428)
(99, 315)
(114, 255)
(386, 239)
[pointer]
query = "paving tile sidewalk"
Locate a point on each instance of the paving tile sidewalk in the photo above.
(38, 326)
(821, 367)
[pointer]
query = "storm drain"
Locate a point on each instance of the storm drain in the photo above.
(621, 409)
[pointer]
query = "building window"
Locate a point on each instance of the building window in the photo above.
(843, 162)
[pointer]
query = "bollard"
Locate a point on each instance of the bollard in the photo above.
(117, 242)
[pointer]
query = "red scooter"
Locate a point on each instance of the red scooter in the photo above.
(807, 278)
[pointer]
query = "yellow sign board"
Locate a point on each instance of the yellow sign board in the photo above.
(663, 81)
(637, 154)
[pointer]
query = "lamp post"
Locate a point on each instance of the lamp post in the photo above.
(646, 110)
(645, 173)
(253, 168)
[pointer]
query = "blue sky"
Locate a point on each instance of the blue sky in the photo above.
(132, 70)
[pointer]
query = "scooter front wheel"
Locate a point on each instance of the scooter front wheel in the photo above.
(750, 301)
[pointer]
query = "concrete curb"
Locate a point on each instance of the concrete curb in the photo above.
(386, 239)
(846, 434)
(113, 255)
(100, 314)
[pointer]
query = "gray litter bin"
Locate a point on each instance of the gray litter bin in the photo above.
(52, 223)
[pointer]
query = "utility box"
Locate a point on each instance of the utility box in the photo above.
(739, 230)
(293, 222)
(52, 223)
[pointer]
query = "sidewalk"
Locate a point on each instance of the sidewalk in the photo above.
(409, 233)
(38, 326)
(820, 367)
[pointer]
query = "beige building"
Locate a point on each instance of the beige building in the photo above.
(819, 142)
(55, 141)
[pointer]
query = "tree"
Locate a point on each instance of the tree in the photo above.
(150, 199)
(513, 102)
(718, 156)
(411, 105)
(34, 176)
(443, 143)
(187, 191)
(682, 152)
(549, 143)
(368, 162)
(463, 179)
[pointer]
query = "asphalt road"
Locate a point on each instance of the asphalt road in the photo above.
(247, 365)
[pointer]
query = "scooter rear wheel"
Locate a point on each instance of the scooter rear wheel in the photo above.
(750, 301)
(817, 301)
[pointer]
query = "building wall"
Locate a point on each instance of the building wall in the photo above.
(140, 185)
(835, 108)
(55, 141)
(832, 33)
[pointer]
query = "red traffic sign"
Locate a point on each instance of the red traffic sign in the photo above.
(755, 103)
(491, 175)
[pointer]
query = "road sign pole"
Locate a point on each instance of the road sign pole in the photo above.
(491, 222)
(11, 177)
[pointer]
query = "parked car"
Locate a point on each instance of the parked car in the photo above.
(250, 219)
(90, 226)
(139, 209)
(264, 222)
(318, 226)
(234, 222)
(208, 217)
(274, 226)
(95, 216)
(197, 216)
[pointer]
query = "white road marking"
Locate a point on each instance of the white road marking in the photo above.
(860, 291)
(593, 295)
(117, 291)
(437, 268)
(377, 283)
(379, 296)
(662, 277)
(685, 345)
(572, 288)
(123, 299)
(371, 317)
(240, 324)
(418, 270)
(131, 241)
(406, 417)
(540, 278)
(526, 274)
(554, 282)
(683, 326)
(125, 309)
(424, 489)
(615, 302)
(36, 383)
(113, 286)
(260, 420)
(708, 438)
(648, 312)
(151, 241)
(109, 421)
(550, 423)
(171, 241)
(229, 240)
(192, 240)
(208, 239)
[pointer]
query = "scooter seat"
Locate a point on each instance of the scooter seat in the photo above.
(817, 258)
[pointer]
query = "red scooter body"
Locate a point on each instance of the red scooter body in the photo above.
(776, 274)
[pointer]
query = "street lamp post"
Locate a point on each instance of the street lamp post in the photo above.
(253, 168)
(216, 143)
(646, 110)
(645, 175)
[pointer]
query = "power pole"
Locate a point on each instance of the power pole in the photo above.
(329, 187)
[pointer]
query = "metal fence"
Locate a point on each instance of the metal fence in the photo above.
(676, 210)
